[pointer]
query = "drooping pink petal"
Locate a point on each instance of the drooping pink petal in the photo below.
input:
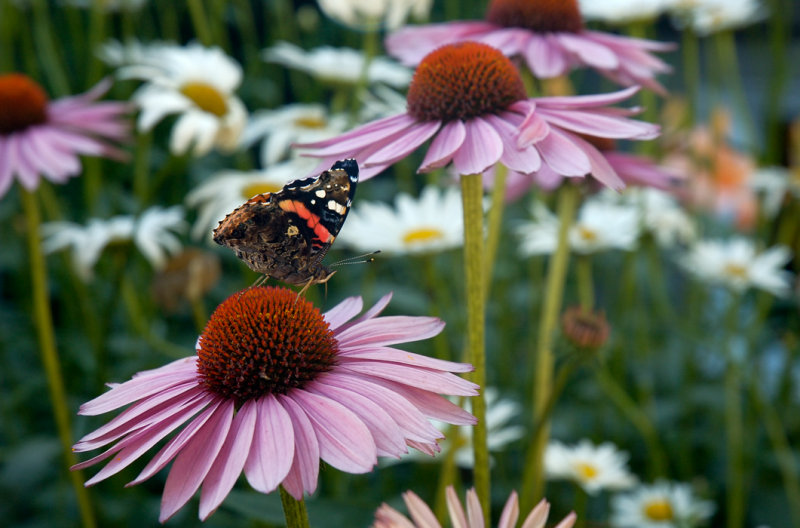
(407, 358)
(574, 102)
(343, 312)
(230, 461)
(273, 445)
(590, 52)
(389, 331)
(547, 178)
(441, 382)
(562, 155)
(359, 137)
(545, 57)
(344, 440)
(596, 124)
(411, 43)
(398, 149)
(525, 159)
(481, 149)
(444, 145)
(195, 460)
(302, 476)
(641, 170)
(508, 40)
(533, 128)
(602, 171)
(430, 404)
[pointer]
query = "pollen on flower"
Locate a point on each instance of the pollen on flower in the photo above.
(206, 97)
(423, 234)
(461, 81)
(736, 271)
(310, 122)
(658, 510)
(586, 471)
(264, 340)
(23, 103)
(248, 191)
(536, 15)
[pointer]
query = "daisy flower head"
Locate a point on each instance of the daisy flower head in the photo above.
(705, 17)
(661, 215)
(469, 100)
(660, 505)
(736, 264)
(374, 14)
(428, 224)
(623, 11)
(196, 82)
(593, 468)
(278, 129)
(338, 65)
(600, 226)
(548, 35)
(274, 388)
(228, 189)
(44, 138)
(153, 233)
(423, 517)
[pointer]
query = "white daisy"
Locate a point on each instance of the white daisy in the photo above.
(433, 222)
(600, 226)
(735, 263)
(659, 212)
(370, 14)
(775, 183)
(710, 16)
(660, 505)
(593, 468)
(379, 102)
(194, 81)
(227, 190)
(623, 11)
(338, 65)
(293, 123)
(153, 233)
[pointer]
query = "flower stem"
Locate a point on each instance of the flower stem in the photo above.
(46, 48)
(50, 360)
(581, 506)
(200, 21)
(734, 428)
(690, 46)
(778, 43)
(585, 284)
(533, 480)
(472, 196)
(294, 511)
(495, 222)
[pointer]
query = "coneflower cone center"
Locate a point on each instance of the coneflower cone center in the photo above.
(264, 341)
(462, 81)
(23, 103)
(541, 16)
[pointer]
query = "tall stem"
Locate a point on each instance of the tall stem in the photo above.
(472, 196)
(533, 479)
(202, 28)
(50, 360)
(734, 427)
(294, 511)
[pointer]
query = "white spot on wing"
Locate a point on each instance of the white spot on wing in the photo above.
(337, 207)
(320, 193)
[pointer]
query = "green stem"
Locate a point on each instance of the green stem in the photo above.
(472, 197)
(50, 360)
(141, 168)
(581, 506)
(533, 479)
(46, 49)
(583, 270)
(200, 22)
(294, 511)
(690, 46)
(97, 33)
(734, 427)
(779, 42)
(495, 222)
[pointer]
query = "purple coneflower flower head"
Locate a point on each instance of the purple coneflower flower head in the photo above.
(548, 35)
(422, 516)
(468, 99)
(39, 137)
(275, 387)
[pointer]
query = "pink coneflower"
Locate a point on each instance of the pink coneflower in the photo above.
(275, 387)
(472, 516)
(469, 99)
(41, 137)
(550, 37)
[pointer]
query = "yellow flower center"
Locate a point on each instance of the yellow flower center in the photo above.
(658, 510)
(423, 234)
(206, 97)
(248, 191)
(310, 122)
(586, 471)
(589, 235)
(736, 271)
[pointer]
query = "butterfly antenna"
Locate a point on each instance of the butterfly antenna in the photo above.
(359, 259)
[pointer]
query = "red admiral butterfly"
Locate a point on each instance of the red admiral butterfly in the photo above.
(286, 234)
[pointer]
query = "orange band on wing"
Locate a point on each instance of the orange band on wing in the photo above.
(312, 220)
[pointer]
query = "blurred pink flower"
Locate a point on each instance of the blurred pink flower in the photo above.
(44, 138)
(472, 516)
(548, 35)
(275, 387)
(469, 99)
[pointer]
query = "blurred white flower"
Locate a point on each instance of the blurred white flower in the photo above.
(371, 14)
(736, 264)
(660, 214)
(660, 505)
(338, 65)
(600, 226)
(379, 102)
(431, 223)
(293, 123)
(194, 81)
(227, 190)
(623, 11)
(774, 183)
(593, 468)
(153, 233)
(710, 16)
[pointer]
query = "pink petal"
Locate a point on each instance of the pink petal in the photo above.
(407, 358)
(474, 511)
(305, 464)
(596, 124)
(273, 447)
(343, 312)
(401, 146)
(229, 463)
(344, 440)
(481, 149)
(359, 137)
(456, 510)
(533, 128)
(410, 44)
(602, 171)
(547, 178)
(590, 52)
(523, 160)
(545, 57)
(194, 461)
(441, 382)
(420, 513)
(389, 330)
(574, 102)
(563, 156)
(6, 169)
(444, 145)
(382, 303)
(431, 405)
(508, 519)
